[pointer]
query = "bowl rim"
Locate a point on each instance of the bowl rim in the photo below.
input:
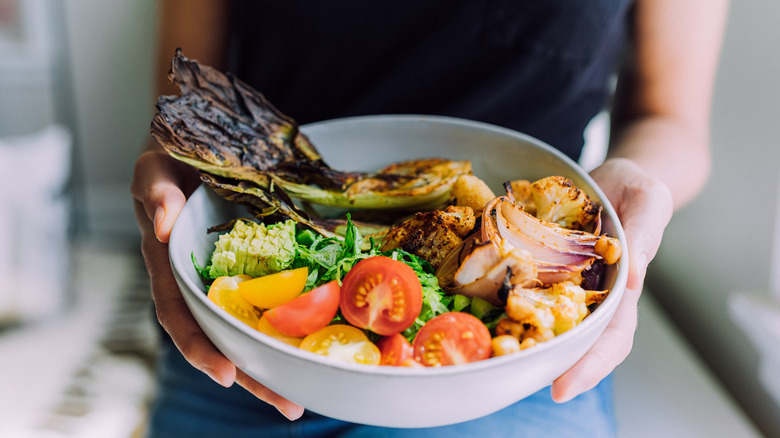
(608, 306)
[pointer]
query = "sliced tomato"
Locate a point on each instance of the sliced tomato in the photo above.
(450, 339)
(382, 295)
(396, 350)
(224, 293)
(265, 327)
(273, 290)
(344, 343)
(307, 313)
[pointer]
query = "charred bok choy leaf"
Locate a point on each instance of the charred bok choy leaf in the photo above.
(252, 153)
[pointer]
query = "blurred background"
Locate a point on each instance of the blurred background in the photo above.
(76, 328)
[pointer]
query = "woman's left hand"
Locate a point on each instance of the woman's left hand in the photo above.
(644, 206)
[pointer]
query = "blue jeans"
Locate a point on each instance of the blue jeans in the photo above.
(189, 404)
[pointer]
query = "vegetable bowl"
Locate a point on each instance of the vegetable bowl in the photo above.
(385, 395)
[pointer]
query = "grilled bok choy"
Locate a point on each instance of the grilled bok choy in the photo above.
(252, 153)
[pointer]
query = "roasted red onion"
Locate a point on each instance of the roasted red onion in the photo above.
(538, 253)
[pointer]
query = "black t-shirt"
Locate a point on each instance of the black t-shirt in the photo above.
(542, 67)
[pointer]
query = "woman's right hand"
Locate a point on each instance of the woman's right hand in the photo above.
(160, 188)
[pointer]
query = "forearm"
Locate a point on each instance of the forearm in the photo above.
(661, 117)
(200, 28)
(670, 150)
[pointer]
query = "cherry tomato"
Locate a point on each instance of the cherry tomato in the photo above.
(224, 293)
(450, 339)
(265, 327)
(273, 290)
(307, 313)
(382, 295)
(344, 343)
(396, 350)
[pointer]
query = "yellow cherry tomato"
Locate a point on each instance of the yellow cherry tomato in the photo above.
(224, 293)
(344, 343)
(273, 290)
(265, 327)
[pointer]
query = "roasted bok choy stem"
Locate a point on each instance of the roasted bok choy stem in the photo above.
(243, 145)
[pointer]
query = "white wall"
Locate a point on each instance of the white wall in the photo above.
(110, 50)
(722, 242)
(28, 61)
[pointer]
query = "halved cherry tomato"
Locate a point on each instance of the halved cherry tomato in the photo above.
(307, 313)
(450, 339)
(396, 350)
(273, 290)
(344, 343)
(224, 293)
(382, 295)
(265, 327)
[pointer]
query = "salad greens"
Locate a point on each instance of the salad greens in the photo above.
(330, 258)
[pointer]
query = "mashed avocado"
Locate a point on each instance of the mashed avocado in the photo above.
(254, 249)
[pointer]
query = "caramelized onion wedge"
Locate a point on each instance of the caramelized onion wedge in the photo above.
(513, 219)
(520, 263)
(480, 260)
(548, 247)
(527, 251)
(560, 253)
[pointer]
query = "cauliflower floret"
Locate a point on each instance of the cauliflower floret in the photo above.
(532, 308)
(548, 311)
(558, 200)
(570, 308)
(521, 190)
(470, 191)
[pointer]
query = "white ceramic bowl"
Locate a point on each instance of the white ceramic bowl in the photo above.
(393, 396)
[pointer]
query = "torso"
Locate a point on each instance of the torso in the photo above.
(539, 67)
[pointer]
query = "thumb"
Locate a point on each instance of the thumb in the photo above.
(166, 204)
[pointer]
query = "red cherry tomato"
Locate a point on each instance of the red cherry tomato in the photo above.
(265, 327)
(396, 350)
(450, 339)
(382, 295)
(307, 313)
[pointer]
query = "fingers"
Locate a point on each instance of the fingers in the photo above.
(166, 202)
(159, 187)
(289, 409)
(644, 221)
(158, 184)
(158, 200)
(609, 351)
(174, 315)
(645, 206)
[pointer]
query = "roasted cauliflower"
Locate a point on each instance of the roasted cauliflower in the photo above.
(521, 191)
(547, 312)
(470, 191)
(558, 200)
